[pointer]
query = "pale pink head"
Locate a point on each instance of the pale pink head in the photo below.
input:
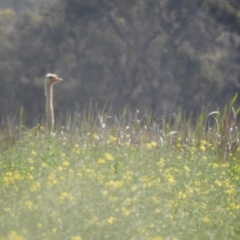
(52, 78)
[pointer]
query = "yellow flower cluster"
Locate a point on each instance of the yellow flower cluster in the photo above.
(89, 190)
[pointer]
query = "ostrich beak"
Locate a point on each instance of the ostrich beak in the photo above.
(57, 79)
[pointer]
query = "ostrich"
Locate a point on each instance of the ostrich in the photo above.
(50, 80)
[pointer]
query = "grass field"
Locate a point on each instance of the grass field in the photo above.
(122, 178)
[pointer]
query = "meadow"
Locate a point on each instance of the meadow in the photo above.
(104, 176)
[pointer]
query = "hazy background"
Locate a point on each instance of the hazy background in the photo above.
(158, 55)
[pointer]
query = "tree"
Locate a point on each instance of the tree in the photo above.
(158, 55)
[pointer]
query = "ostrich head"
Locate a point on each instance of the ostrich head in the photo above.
(50, 80)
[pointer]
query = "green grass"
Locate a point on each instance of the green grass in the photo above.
(124, 178)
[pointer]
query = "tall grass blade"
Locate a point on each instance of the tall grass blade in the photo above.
(21, 115)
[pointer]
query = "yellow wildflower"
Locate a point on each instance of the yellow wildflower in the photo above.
(35, 186)
(187, 169)
(151, 145)
(151, 225)
(206, 219)
(14, 236)
(101, 161)
(203, 148)
(181, 195)
(161, 162)
(111, 220)
(94, 218)
(30, 161)
(44, 164)
(218, 183)
(66, 163)
(170, 178)
(126, 211)
(114, 184)
(76, 238)
(108, 156)
(34, 153)
(63, 196)
(111, 139)
(29, 205)
(95, 136)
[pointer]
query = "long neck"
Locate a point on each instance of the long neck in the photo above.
(49, 106)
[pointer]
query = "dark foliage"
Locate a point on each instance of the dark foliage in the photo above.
(158, 55)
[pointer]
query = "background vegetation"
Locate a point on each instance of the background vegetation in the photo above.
(159, 56)
(110, 171)
(127, 178)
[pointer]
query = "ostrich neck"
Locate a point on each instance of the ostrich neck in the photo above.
(49, 106)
